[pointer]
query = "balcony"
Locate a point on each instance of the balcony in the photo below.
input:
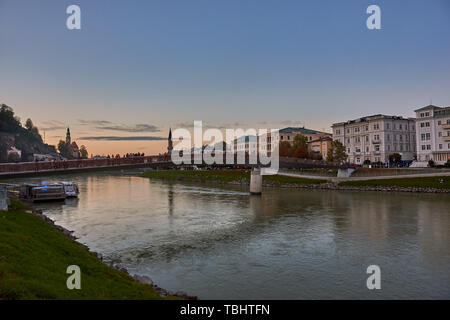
(446, 125)
(376, 141)
(446, 138)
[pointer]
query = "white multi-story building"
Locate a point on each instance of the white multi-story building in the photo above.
(376, 137)
(247, 144)
(433, 134)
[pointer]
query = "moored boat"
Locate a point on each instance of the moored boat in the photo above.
(70, 189)
(42, 192)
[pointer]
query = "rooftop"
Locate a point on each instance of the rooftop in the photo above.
(368, 118)
(302, 130)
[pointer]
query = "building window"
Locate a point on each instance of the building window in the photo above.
(423, 147)
(428, 147)
(440, 146)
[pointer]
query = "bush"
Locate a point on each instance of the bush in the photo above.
(13, 157)
(447, 164)
(431, 163)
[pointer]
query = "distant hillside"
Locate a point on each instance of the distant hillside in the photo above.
(24, 138)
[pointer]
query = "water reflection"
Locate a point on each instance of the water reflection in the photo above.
(219, 242)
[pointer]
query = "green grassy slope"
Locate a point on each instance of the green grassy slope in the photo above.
(34, 258)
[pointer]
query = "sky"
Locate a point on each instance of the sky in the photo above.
(137, 68)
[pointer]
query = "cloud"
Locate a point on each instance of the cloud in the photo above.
(133, 128)
(292, 123)
(116, 138)
(51, 125)
(108, 125)
(94, 122)
(206, 125)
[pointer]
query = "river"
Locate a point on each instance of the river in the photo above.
(217, 242)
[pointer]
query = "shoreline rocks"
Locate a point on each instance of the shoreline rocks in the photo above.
(333, 186)
(320, 186)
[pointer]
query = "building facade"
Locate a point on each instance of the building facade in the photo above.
(320, 146)
(288, 134)
(433, 134)
(376, 137)
(247, 144)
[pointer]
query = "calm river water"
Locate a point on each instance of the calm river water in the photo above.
(217, 242)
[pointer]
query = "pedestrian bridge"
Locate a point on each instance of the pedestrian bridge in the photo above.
(158, 161)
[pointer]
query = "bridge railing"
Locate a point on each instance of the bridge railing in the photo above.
(82, 163)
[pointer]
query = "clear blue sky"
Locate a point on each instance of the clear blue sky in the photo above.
(165, 63)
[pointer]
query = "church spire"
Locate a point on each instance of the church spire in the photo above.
(68, 140)
(169, 142)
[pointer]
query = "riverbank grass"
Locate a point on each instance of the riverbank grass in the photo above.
(34, 258)
(436, 182)
(225, 176)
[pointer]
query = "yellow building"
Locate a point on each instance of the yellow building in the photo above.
(320, 146)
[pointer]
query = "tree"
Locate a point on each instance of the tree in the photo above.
(63, 149)
(3, 152)
(13, 157)
(8, 121)
(447, 164)
(83, 152)
(300, 152)
(300, 141)
(29, 124)
(395, 157)
(285, 149)
(337, 152)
